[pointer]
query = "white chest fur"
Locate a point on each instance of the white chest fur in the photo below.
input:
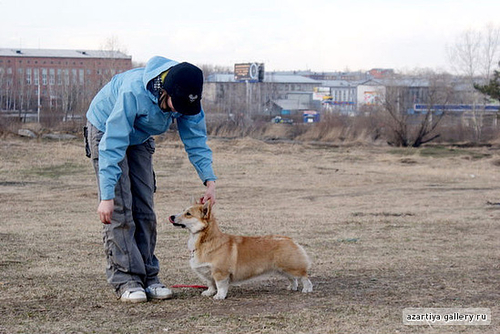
(203, 269)
(192, 242)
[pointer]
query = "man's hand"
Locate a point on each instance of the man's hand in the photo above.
(105, 210)
(209, 193)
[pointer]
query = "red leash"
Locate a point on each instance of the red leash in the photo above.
(176, 286)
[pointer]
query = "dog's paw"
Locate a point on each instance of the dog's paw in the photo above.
(209, 293)
(219, 296)
(306, 285)
(293, 286)
(307, 288)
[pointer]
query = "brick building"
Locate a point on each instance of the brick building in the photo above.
(60, 81)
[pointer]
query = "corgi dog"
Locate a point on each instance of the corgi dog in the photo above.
(221, 259)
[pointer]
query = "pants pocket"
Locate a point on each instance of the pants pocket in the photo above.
(150, 145)
(86, 137)
(94, 138)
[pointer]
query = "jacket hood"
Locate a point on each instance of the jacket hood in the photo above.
(154, 67)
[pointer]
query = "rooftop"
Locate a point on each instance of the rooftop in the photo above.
(268, 77)
(54, 53)
(337, 83)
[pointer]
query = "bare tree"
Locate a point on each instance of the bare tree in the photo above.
(414, 130)
(439, 93)
(209, 69)
(465, 55)
(111, 47)
(473, 56)
(475, 53)
(491, 50)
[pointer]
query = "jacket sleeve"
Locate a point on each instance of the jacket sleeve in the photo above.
(193, 133)
(114, 143)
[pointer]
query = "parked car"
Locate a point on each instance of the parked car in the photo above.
(281, 120)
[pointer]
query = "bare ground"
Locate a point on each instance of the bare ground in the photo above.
(387, 229)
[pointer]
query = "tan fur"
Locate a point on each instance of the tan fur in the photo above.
(221, 259)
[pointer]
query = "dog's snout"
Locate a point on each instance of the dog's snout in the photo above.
(171, 219)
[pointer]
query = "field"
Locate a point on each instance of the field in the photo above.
(386, 229)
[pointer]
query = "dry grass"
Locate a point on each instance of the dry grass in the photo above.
(386, 229)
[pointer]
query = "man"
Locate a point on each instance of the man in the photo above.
(122, 118)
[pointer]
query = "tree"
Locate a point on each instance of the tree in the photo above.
(492, 89)
(409, 130)
(209, 69)
(473, 56)
(111, 47)
(474, 52)
(491, 49)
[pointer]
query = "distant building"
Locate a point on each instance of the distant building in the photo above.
(331, 76)
(275, 94)
(381, 73)
(61, 80)
(342, 96)
(293, 104)
(370, 93)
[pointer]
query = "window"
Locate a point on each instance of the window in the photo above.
(59, 77)
(73, 76)
(28, 76)
(52, 76)
(66, 77)
(44, 76)
(20, 76)
(36, 76)
(81, 76)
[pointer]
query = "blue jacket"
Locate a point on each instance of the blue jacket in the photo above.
(128, 114)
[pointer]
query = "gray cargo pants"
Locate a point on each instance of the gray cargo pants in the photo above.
(130, 239)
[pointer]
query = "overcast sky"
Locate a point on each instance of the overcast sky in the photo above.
(321, 35)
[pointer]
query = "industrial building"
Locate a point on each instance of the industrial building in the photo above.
(55, 81)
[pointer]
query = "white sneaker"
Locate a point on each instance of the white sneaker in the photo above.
(134, 296)
(158, 291)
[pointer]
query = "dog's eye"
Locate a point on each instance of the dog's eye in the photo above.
(188, 214)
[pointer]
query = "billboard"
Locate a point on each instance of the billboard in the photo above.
(321, 93)
(371, 97)
(251, 72)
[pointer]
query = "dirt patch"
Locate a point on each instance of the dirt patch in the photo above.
(386, 230)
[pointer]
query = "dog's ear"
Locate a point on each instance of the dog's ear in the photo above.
(207, 209)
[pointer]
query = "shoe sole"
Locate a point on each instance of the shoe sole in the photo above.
(134, 300)
(160, 297)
